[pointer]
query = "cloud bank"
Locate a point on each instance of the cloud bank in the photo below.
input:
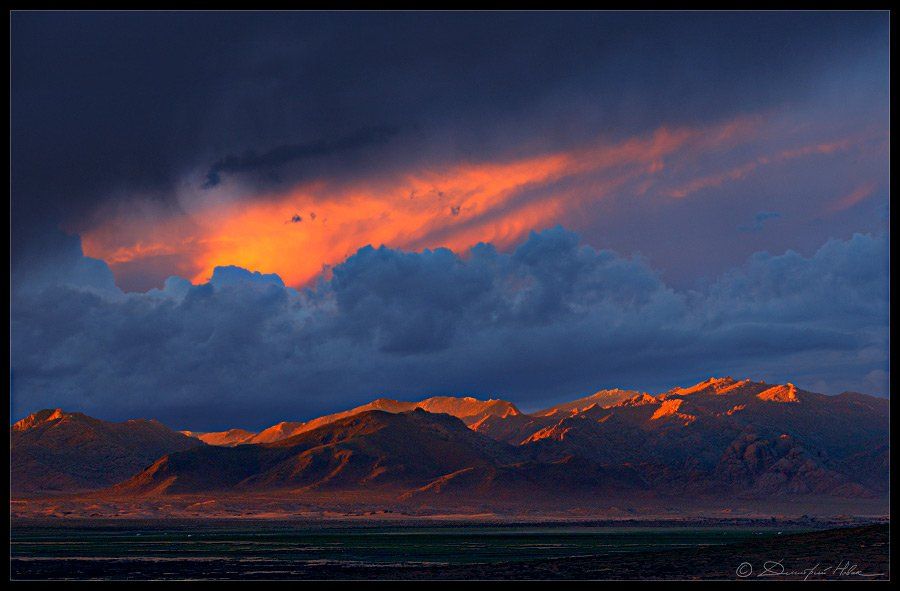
(550, 320)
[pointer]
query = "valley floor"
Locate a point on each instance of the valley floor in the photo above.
(387, 507)
(117, 549)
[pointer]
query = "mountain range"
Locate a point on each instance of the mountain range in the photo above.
(721, 437)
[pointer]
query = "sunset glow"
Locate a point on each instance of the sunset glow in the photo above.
(301, 232)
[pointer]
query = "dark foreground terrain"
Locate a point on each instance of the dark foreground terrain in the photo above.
(190, 550)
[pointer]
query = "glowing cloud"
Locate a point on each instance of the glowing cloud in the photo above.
(300, 232)
(856, 196)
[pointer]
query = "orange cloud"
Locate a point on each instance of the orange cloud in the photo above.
(859, 194)
(740, 172)
(300, 232)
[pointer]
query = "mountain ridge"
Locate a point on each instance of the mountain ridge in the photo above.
(467, 408)
(719, 436)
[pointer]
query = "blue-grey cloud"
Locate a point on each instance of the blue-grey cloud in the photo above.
(551, 320)
(230, 275)
(758, 220)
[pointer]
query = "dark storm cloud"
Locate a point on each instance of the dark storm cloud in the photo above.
(282, 155)
(552, 320)
(108, 104)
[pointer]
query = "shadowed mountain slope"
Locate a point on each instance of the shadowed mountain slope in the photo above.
(411, 454)
(52, 450)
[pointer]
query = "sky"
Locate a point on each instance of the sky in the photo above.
(232, 219)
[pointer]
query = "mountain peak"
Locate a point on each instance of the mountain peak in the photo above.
(42, 416)
(599, 399)
(714, 385)
(468, 406)
(275, 432)
(228, 438)
(785, 393)
(642, 399)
